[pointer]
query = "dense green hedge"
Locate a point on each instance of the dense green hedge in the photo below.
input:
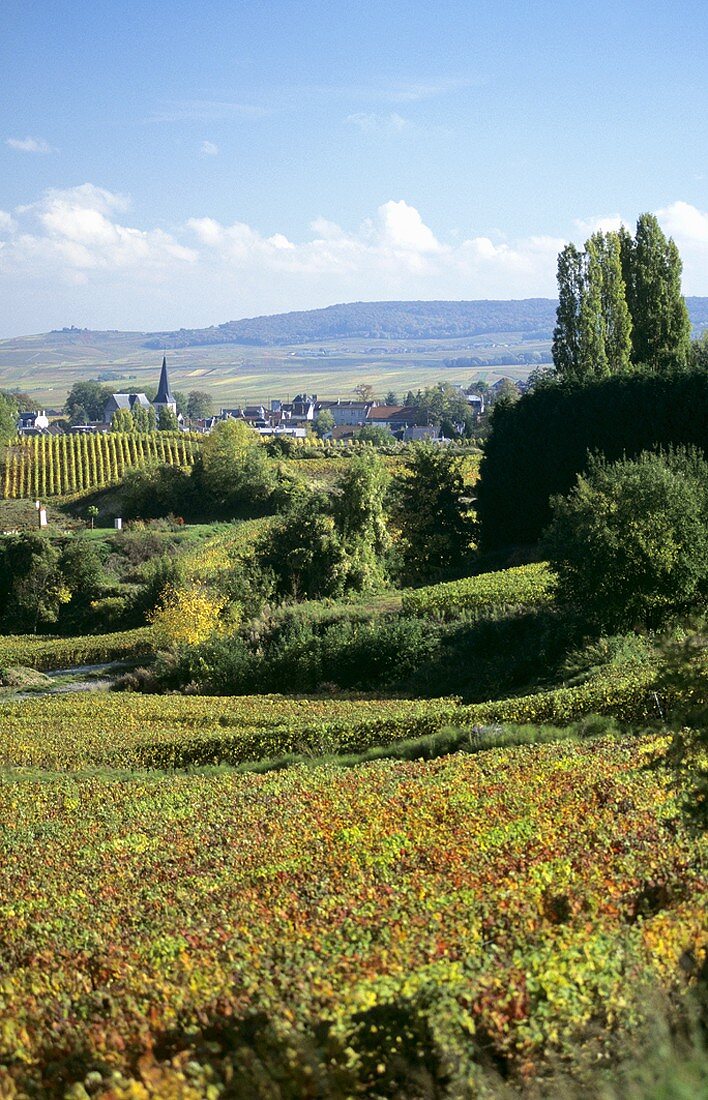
(539, 445)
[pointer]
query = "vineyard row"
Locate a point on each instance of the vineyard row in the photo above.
(45, 466)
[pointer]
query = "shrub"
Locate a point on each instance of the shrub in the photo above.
(630, 542)
(434, 518)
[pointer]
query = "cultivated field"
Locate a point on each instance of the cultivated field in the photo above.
(47, 366)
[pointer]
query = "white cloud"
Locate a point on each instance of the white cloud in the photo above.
(685, 223)
(30, 145)
(76, 256)
(209, 149)
(608, 223)
(75, 230)
(402, 227)
(379, 124)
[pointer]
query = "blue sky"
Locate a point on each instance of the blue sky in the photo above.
(170, 163)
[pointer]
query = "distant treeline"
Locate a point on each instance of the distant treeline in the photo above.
(533, 317)
(508, 359)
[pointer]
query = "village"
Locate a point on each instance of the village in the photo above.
(339, 419)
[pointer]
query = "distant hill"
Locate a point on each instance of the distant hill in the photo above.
(375, 321)
(533, 317)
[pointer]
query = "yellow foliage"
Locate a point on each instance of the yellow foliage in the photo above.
(188, 616)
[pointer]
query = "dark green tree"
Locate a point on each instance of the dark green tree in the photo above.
(699, 351)
(304, 551)
(630, 541)
(199, 404)
(8, 419)
(661, 328)
(566, 334)
(592, 357)
(86, 401)
(32, 587)
(615, 309)
(433, 514)
(166, 420)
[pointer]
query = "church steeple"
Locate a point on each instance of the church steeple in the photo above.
(164, 394)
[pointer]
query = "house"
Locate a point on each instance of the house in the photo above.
(128, 401)
(419, 433)
(350, 412)
(32, 423)
(393, 417)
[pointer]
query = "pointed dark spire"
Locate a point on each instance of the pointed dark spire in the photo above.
(164, 395)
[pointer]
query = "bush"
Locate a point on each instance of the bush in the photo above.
(630, 543)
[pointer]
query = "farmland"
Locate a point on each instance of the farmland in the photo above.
(477, 909)
(46, 367)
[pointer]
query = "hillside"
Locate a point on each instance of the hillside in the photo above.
(390, 345)
(534, 318)
(376, 320)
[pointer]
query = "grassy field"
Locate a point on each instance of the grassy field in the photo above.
(47, 366)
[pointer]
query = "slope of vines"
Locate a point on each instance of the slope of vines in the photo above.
(45, 466)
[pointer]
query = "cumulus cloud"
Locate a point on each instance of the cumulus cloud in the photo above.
(75, 230)
(30, 145)
(209, 149)
(606, 223)
(686, 224)
(76, 256)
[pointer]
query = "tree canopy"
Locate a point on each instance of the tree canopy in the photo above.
(620, 305)
(630, 541)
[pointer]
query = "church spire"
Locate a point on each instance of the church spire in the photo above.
(164, 394)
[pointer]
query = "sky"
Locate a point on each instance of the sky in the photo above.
(179, 163)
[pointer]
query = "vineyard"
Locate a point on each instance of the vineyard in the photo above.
(488, 594)
(137, 731)
(46, 653)
(193, 937)
(46, 466)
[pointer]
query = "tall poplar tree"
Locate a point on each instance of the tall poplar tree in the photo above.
(615, 309)
(566, 335)
(592, 357)
(661, 333)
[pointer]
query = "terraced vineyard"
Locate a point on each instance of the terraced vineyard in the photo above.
(46, 466)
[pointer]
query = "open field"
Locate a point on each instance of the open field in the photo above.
(47, 366)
